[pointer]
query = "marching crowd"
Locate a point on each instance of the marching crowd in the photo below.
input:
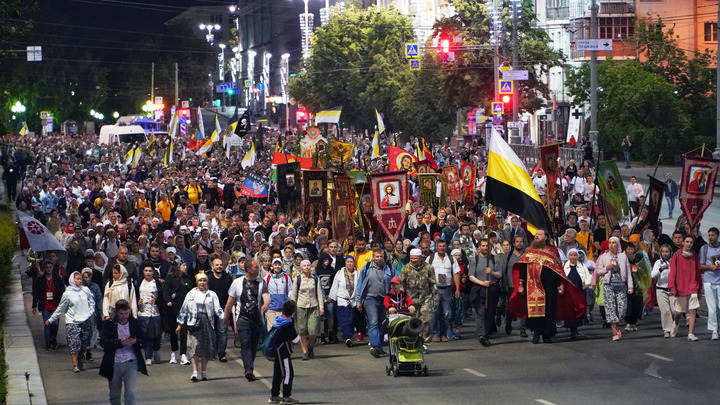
(176, 251)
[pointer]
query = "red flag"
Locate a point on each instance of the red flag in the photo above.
(400, 159)
(281, 158)
(428, 155)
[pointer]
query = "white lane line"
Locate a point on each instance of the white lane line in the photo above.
(657, 356)
(474, 372)
(544, 402)
(265, 381)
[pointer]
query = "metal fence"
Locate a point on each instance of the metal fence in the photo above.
(530, 154)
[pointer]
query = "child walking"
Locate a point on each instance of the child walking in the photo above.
(282, 345)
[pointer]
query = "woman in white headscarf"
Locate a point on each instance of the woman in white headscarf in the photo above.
(78, 306)
(118, 289)
(613, 266)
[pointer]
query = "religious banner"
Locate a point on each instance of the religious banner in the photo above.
(400, 159)
(288, 187)
(613, 189)
(468, 175)
(282, 158)
(424, 166)
(255, 186)
(363, 204)
(389, 192)
(428, 189)
(342, 207)
(342, 151)
(549, 163)
(315, 191)
(313, 142)
(697, 187)
(357, 176)
(453, 186)
(654, 202)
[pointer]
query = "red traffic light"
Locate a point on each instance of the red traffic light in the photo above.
(445, 45)
(506, 99)
(301, 116)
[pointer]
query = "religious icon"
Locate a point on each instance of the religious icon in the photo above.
(290, 180)
(388, 194)
(315, 188)
(698, 180)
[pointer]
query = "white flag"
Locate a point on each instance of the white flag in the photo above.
(38, 236)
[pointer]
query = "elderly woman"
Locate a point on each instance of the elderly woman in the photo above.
(308, 294)
(78, 306)
(198, 312)
(343, 293)
(660, 273)
(119, 288)
(96, 319)
(614, 268)
(582, 279)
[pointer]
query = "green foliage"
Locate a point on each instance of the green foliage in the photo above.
(8, 242)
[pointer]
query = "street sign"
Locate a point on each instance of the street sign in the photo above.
(44, 114)
(158, 100)
(223, 87)
(412, 51)
(497, 108)
(414, 64)
(506, 87)
(261, 86)
(49, 119)
(248, 84)
(594, 45)
(515, 124)
(292, 101)
(515, 75)
(185, 104)
(497, 119)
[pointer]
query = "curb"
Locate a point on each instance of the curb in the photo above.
(25, 383)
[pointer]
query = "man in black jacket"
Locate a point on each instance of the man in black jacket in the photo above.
(120, 338)
(46, 293)
(220, 281)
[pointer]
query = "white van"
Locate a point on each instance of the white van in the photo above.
(127, 134)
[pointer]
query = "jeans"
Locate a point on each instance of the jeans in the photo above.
(221, 335)
(712, 298)
(249, 332)
(153, 344)
(375, 312)
(330, 317)
(442, 316)
(627, 159)
(671, 204)
(51, 330)
(124, 372)
(346, 320)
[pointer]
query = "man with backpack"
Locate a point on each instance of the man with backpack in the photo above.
(446, 270)
(277, 348)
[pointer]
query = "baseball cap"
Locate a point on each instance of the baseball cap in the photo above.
(171, 250)
(396, 280)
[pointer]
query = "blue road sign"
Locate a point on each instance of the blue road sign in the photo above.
(506, 87)
(414, 64)
(248, 84)
(412, 50)
(497, 108)
(497, 119)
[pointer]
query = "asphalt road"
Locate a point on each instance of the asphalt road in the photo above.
(642, 368)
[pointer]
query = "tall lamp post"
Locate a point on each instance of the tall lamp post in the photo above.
(210, 37)
(286, 78)
(221, 69)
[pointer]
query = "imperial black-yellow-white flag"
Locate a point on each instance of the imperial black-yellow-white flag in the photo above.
(509, 186)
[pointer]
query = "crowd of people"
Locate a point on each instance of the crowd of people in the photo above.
(157, 250)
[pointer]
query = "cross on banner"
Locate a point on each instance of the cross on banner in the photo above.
(577, 114)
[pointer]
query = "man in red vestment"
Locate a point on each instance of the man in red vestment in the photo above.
(543, 294)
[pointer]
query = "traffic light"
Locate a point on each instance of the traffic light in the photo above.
(301, 116)
(230, 92)
(507, 102)
(445, 43)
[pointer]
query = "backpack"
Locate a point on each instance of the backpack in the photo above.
(287, 282)
(269, 344)
(452, 260)
(317, 284)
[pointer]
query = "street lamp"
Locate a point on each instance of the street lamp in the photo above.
(221, 66)
(210, 27)
(18, 108)
(286, 78)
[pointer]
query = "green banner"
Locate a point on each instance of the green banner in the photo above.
(612, 187)
(357, 176)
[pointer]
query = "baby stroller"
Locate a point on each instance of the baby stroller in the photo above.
(405, 345)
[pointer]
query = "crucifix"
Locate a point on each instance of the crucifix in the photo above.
(577, 114)
(392, 224)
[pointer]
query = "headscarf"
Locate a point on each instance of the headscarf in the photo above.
(123, 277)
(72, 286)
(105, 259)
(617, 242)
(87, 270)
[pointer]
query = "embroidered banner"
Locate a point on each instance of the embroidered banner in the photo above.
(548, 162)
(424, 166)
(389, 192)
(453, 187)
(315, 191)
(469, 174)
(288, 187)
(697, 188)
(400, 159)
(428, 188)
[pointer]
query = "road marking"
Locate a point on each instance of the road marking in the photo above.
(544, 402)
(475, 373)
(652, 370)
(257, 375)
(657, 356)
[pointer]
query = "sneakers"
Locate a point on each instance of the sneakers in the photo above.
(290, 400)
(184, 360)
(305, 357)
(436, 339)
(674, 330)
(204, 376)
(714, 335)
(173, 358)
(484, 341)
(76, 369)
(223, 359)
(250, 376)
(348, 343)
(692, 338)
(617, 337)
(377, 353)
(193, 377)
(666, 335)
(359, 337)
(156, 357)
(275, 400)
(148, 362)
(311, 352)
(88, 356)
(629, 327)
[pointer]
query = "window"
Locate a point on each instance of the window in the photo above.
(711, 32)
(616, 27)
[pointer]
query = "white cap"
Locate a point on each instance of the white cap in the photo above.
(415, 252)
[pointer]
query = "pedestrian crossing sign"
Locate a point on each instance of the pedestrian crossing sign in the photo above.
(412, 51)
(506, 87)
(248, 84)
(497, 108)
(414, 64)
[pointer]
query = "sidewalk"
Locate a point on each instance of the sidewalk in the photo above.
(25, 383)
